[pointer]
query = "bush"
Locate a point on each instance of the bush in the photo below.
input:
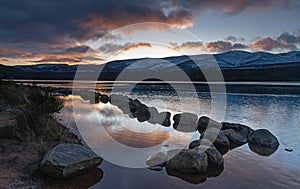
(34, 108)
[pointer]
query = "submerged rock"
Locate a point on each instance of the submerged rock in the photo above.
(156, 168)
(235, 139)
(263, 142)
(67, 160)
(185, 122)
(205, 122)
(7, 124)
(186, 161)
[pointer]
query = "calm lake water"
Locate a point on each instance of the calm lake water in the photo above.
(243, 168)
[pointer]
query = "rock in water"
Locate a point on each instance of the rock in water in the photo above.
(194, 144)
(158, 159)
(205, 122)
(104, 98)
(218, 138)
(235, 139)
(288, 149)
(186, 161)
(185, 122)
(67, 160)
(164, 118)
(142, 113)
(7, 123)
(197, 143)
(263, 142)
(239, 128)
(154, 113)
(214, 158)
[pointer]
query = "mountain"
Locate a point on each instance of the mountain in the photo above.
(235, 66)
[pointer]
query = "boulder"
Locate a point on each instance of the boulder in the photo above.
(7, 124)
(218, 138)
(67, 160)
(263, 142)
(214, 157)
(104, 98)
(194, 144)
(158, 159)
(235, 139)
(185, 122)
(85, 94)
(186, 161)
(205, 122)
(142, 113)
(133, 104)
(116, 99)
(239, 128)
(154, 113)
(164, 118)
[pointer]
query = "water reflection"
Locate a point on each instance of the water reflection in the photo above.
(83, 181)
(244, 168)
(261, 150)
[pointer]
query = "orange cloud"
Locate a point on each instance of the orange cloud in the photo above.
(285, 41)
(136, 45)
(266, 43)
(216, 46)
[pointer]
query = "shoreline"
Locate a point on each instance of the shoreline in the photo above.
(274, 88)
(25, 144)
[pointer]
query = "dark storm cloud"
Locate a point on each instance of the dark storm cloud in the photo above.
(32, 29)
(111, 48)
(58, 21)
(55, 59)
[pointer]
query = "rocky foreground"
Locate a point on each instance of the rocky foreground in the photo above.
(28, 131)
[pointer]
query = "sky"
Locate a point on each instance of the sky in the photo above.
(97, 31)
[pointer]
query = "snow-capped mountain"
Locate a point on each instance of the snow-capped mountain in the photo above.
(231, 63)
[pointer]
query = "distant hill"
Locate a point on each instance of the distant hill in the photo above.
(235, 66)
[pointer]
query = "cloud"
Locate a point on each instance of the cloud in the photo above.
(77, 49)
(54, 59)
(3, 60)
(56, 21)
(136, 45)
(266, 43)
(111, 48)
(221, 46)
(285, 41)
